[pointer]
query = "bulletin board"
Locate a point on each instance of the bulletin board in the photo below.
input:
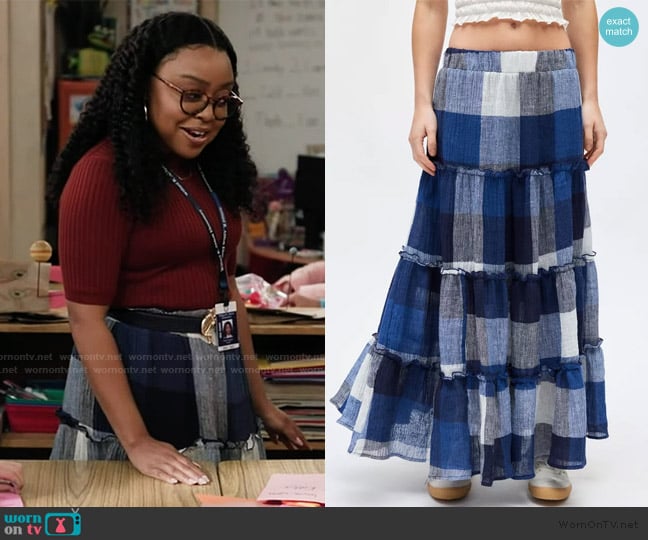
(280, 49)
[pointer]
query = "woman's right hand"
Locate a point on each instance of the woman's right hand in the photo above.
(162, 461)
(422, 138)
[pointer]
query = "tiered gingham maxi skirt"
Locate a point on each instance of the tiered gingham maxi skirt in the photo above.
(488, 355)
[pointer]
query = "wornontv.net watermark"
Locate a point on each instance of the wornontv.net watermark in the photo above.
(611, 524)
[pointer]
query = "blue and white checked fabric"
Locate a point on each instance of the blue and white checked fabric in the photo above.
(487, 354)
(188, 393)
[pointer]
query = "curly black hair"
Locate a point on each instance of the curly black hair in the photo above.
(116, 111)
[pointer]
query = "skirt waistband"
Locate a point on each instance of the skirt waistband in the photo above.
(162, 322)
(509, 61)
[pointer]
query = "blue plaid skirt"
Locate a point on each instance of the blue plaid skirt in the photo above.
(487, 355)
(188, 393)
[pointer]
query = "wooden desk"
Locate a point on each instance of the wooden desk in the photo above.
(63, 327)
(271, 262)
(117, 483)
(104, 483)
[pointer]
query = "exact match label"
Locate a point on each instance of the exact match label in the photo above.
(619, 26)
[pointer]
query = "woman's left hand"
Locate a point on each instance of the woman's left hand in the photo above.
(282, 428)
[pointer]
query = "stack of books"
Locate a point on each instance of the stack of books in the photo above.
(296, 386)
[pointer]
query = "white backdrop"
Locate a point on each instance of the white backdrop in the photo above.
(370, 194)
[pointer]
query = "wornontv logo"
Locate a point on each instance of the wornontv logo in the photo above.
(598, 524)
(52, 524)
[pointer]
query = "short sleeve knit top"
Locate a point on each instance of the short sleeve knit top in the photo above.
(545, 11)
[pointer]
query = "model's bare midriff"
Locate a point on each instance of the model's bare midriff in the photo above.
(509, 35)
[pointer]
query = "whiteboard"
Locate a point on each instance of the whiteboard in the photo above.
(141, 10)
(280, 49)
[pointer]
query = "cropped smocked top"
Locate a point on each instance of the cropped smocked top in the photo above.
(545, 11)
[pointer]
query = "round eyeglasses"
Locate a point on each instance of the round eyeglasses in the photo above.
(193, 102)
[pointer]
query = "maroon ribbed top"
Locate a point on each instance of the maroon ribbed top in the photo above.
(108, 259)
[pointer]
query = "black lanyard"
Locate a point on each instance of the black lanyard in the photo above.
(219, 249)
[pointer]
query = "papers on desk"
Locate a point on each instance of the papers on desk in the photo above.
(286, 490)
(312, 313)
(258, 315)
(291, 489)
(8, 499)
(209, 500)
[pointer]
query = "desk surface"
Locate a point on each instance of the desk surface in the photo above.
(117, 483)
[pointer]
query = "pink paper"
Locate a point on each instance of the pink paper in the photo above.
(10, 499)
(206, 499)
(56, 299)
(294, 488)
(56, 275)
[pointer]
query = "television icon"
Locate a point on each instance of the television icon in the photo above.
(63, 524)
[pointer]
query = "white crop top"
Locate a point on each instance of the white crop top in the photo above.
(546, 11)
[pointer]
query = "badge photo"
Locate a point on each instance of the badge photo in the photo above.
(226, 328)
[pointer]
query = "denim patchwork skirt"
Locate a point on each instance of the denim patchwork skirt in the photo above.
(487, 355)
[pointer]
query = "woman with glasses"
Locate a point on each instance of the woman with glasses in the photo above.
(487, 361)
(150, 188)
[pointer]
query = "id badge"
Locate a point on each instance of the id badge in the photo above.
(225, 326)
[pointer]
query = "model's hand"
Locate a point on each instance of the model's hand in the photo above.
(282, 428)
(594, 132)
(162, 461)
(11, 476)
(422, 138)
